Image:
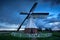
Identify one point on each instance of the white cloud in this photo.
(10, 26)
(43, 28)
(7, 25)
(48, 25)
(54, 23)
(10, 29)
(55, 28)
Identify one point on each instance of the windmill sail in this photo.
(27, 15)
(36, 15)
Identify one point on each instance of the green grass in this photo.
(56, 36)
(8, 37)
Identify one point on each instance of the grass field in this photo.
(55, 36)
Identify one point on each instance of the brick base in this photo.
(30, 30)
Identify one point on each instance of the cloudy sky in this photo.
(10, 12)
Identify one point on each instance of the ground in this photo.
(55, 36)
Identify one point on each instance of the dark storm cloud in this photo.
(53, 2)
(56, 1)
(33, 0)
(10, 10)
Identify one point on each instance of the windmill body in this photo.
(31, 27)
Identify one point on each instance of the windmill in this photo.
(31, 27)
